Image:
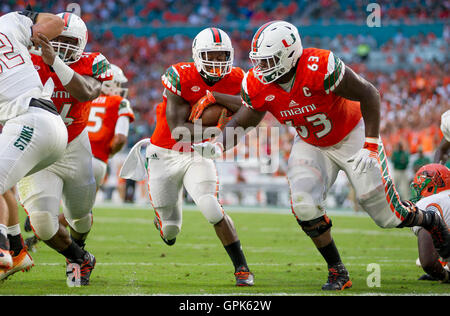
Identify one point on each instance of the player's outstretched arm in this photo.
(356, 88)
(241, 123)
(232, 102)
(82, 88)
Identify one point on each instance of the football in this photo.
(211, 115)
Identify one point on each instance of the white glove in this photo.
(209, 150)
(366, 157)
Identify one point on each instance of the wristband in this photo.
(64, 72)
(371, 144)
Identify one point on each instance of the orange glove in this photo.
(223, 119)
(201, 105)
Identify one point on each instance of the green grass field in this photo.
(132, 259)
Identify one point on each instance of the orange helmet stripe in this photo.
(258, 33)
(216, 35)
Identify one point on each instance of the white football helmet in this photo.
(212, 40)
(114, 86)
(75, 28)
(276, 48)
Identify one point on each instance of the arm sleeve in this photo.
(101, 68)
(122, 125)
(126, 110)
(171, 80)
(335, 73)
(247, 89)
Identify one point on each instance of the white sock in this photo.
(14, 230)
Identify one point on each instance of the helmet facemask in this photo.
(67, 48)
(116, 86)
(215, 64)
(268, 69)
(111, 87)
(70, 44)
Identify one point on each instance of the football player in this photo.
(78, 76)
(337, 115)
(33, 134)
(431, 191)
(109, 120)
(441, 154)
(189, 88)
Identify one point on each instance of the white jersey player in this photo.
(431, 187)
(33, 135)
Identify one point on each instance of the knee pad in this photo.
(81, 225)
(44, 224)
(304, 207)
(210, 208)
(316, 227)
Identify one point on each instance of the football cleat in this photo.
(6, 261)
(22, 262)
(168, 242)
(78, 273)
(338, 279)
(427, 277)
(31, 243)
(244, 277)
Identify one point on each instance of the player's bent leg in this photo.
(168, 221)
(26, 148)
(201, 183)
(6, 261)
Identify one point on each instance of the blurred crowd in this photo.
(198, 12)
(411, 73)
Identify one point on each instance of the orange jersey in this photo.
(321, 117)
(74, 113)
(184, 80)
(105, 111)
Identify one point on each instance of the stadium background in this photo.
(406, 59)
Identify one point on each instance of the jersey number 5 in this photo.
(96, 119)
(7, 56)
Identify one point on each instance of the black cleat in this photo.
(244, 277)
(31, 243)
(79, 272)
(338, 279)
(168, 242)
(427, 277)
